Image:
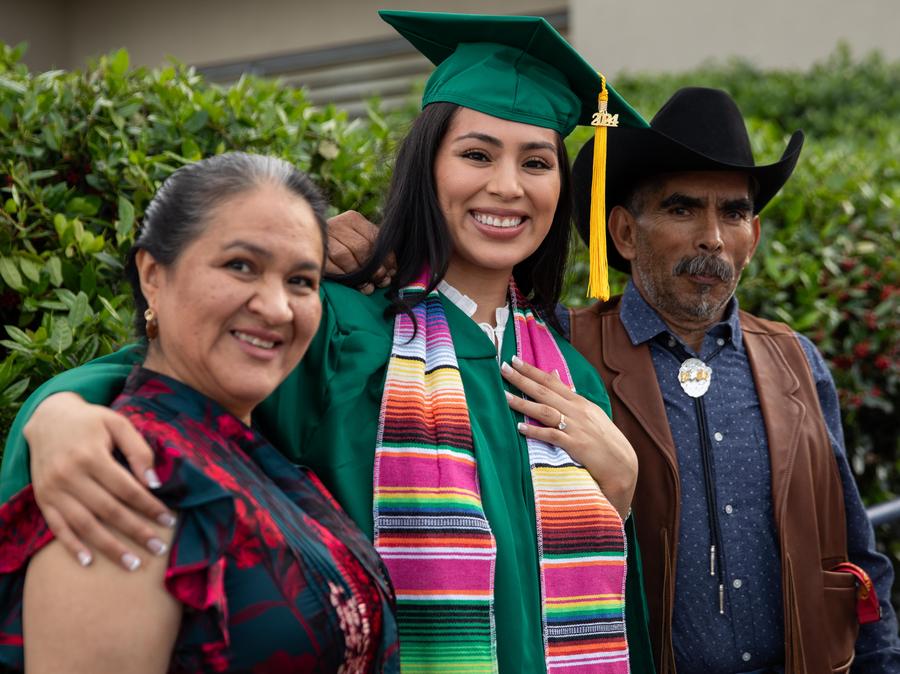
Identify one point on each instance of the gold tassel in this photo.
(598, 281)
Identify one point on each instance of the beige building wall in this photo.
(637, 35)
(206, 32)
(41, 23)
(673, 35)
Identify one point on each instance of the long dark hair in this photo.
(414, 229)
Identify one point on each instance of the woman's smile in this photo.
(258, 343)
(499, 223)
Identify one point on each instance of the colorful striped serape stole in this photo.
(430, 527)
(581, 537)
(431, 530)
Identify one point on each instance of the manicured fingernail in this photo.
(516, 360)
(84, 558)
(521, 426)
(152, 479)
(166, 519)
(130, 562)
(157, 547)
(505, 367)
(509, 396)
(556, 372)
(383, 283)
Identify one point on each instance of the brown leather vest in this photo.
(819, 605)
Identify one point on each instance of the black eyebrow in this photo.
(305, 265)
(251, 247)
(678, 199)
(538, 146)
(742, 204)
(496, 142)
(483, 137)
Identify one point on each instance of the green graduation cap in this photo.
(519, 68)
(513, 67)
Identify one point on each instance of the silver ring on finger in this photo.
(562, 422)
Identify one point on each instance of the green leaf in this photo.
(190, 150)
(196, 122)
(34, 176)
(54, 268)
(53, 306)
(15, 346)
(109, 307)
(109, 260)
(125, 223)
(10, 274)
(31, 269)
(118, 63)
(80, 310)
(129, 109)
(88, 280)
(14, 392)
(7, 371)
(67, 297)
(86, 242)
(77, 229)
(83, 206)
(60, 224)
(10, 85)
(96, 245)
(19, 335)
(60, 335)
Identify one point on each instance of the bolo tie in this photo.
(695, 376)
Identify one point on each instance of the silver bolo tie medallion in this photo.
(694, 376)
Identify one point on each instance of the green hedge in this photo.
(82, 152)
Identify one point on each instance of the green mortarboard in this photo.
(519, 68)
(513, 67)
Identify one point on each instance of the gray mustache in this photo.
(704, 265)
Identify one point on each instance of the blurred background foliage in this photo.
(81, 153)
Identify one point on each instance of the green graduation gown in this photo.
(325, 415)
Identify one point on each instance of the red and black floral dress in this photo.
(272, 574)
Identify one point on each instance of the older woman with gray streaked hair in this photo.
(254, 567)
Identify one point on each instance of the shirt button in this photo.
(718, 437)
(729, 508)
(737, 583)
(671, 341)
(720, 341)
(745, 657)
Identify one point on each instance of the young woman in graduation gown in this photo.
(451, 422)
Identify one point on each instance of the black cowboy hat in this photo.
(698, 129)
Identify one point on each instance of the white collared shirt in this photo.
(469, 306)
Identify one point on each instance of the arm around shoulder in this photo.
(77, 482)
(98, 382)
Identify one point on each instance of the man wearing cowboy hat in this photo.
(753, 536)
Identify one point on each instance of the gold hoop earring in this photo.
(152, 326)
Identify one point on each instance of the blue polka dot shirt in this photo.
(749, 636)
